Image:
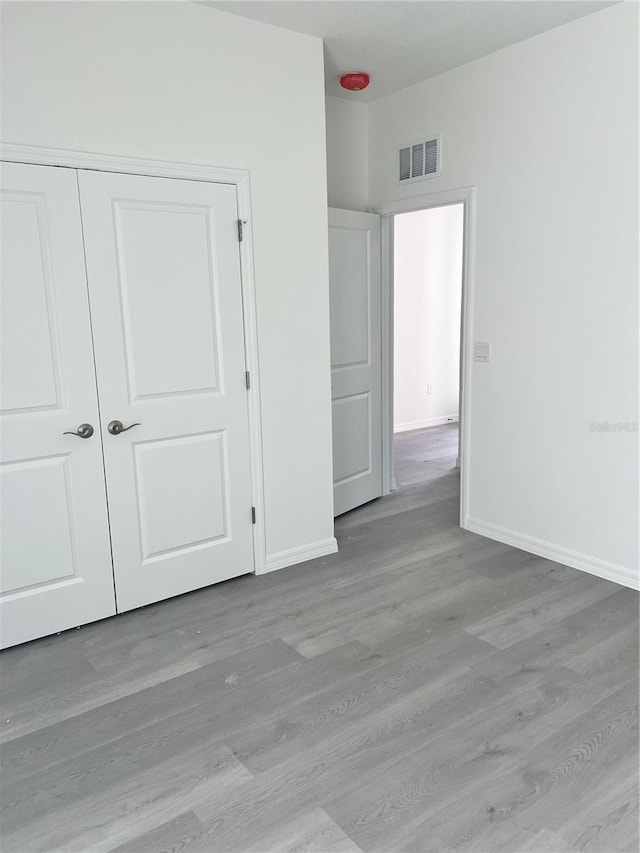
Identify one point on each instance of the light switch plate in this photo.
(482, 351)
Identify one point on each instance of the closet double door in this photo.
(124, 444)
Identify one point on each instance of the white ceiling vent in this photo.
(419, 160)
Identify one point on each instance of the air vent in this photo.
(419, 160)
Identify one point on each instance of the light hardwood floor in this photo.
(423, 690)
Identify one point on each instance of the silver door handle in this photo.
(115, 427)
(83, 431)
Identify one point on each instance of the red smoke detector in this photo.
(355, 81)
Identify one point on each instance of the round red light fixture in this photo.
(355, 81)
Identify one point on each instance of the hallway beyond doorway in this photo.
(427, 456)
(425, 475)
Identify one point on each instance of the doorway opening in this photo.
(426, 295)
(361, 279)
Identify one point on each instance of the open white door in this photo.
(55, 558)
(356, 378)
(166, 303)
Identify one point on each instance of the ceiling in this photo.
(401, 42)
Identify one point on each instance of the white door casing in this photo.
(467, 197)
(356, 380)
(166, 302)
(55, 564)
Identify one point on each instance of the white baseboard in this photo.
(445, 419)
(574, 559)
(300, 555)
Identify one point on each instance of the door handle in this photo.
(83, 431)
(115, 427)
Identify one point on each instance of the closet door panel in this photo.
(165, 288)
(55, 558)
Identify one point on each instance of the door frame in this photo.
(240, 178)
(467, 197)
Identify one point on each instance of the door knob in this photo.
(115, 427)
(83, 431)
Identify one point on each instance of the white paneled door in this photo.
(356, 379)
(55, 563)
(163, 267)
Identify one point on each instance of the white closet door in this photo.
(55, 560)
(356, 377)
(164, 283)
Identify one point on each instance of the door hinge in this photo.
(253, 515)
(247, 379)
(241, 224)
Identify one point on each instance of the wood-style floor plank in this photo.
(425, 689)
(171, 836)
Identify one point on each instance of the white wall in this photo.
(547, 131)
(427, 289)
(347, 153)
(178, 81)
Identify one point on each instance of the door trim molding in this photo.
(240, 178)
(40, 156)
(467, 197)
(387, 342)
